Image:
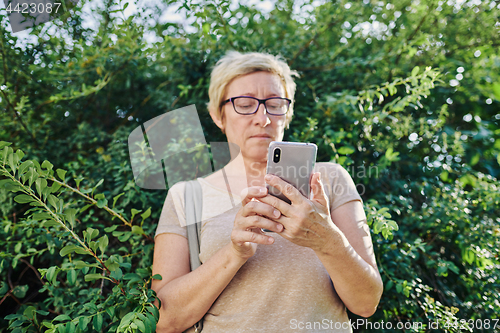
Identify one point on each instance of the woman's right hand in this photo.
(250, 219)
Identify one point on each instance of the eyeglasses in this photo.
(276, 106)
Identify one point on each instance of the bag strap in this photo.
(193, 202)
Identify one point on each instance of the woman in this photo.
(316, 260)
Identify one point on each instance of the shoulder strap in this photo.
(193, 203)
(193, 199)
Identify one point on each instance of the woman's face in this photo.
(253, 133)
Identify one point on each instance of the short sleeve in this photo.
(340, 187)
(173, 218)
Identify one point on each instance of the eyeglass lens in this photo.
(249, 105)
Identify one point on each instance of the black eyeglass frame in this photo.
(261, 101)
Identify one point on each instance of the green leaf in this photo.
(97, 322)
(111, 229)
(51, 274)
(30, 312)
(68, 249)
(32, 175)
(40, 185)
(55, 187)
(140, 325)
(157, 277)
(116, 198)
(61, 173)
(137, 230)
(11, 163)
(146, 214)
(41, 216)
(475, 159)
(4, 144)
(97, 185)
(20, 291)
(20, 154)
(71, 276)
(81, 250)
(102, 203)
(91, 233)
(134, 213)
(4, 288)
(346, 150)
(415, 71)
(79, 264)
(51, 223)
(116, 274)
(496, 90)
(23, 198)
(4, 154)
(103, 243)
(469, 256)
(127, 319)
(444, 176)
(391, 155)
(78, 181)
(70, 214)
(62, 317)
(53, 201)
(83, 323)
(23, 167)
(111, 264)
(93, 277)
(47, 165)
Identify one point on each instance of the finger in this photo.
(258, 222)
(257, 236)
(260, 208)
(252, 192)
(286, 188)
(318, 190)
(278, 204)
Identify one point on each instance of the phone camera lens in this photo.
(277, 155)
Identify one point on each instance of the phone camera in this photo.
(276, 155)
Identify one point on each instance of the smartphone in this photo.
(293, 162)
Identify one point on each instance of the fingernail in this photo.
(276, 213)
(280, 227)
(267, 177)
(262, 191)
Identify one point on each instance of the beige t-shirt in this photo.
(283, 287)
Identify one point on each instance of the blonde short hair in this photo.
(235, 64)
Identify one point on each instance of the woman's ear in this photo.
(218, 120)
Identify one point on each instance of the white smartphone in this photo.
(294, 163)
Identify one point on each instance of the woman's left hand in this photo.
(306, 222)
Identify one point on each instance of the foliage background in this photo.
(405, 95)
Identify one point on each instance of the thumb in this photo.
(318, 190)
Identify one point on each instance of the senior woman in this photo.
(315, 258)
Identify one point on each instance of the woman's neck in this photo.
(253, 171)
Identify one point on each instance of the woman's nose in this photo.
(262, 117)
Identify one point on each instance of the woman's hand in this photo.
(306, 222)
(249, 220)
